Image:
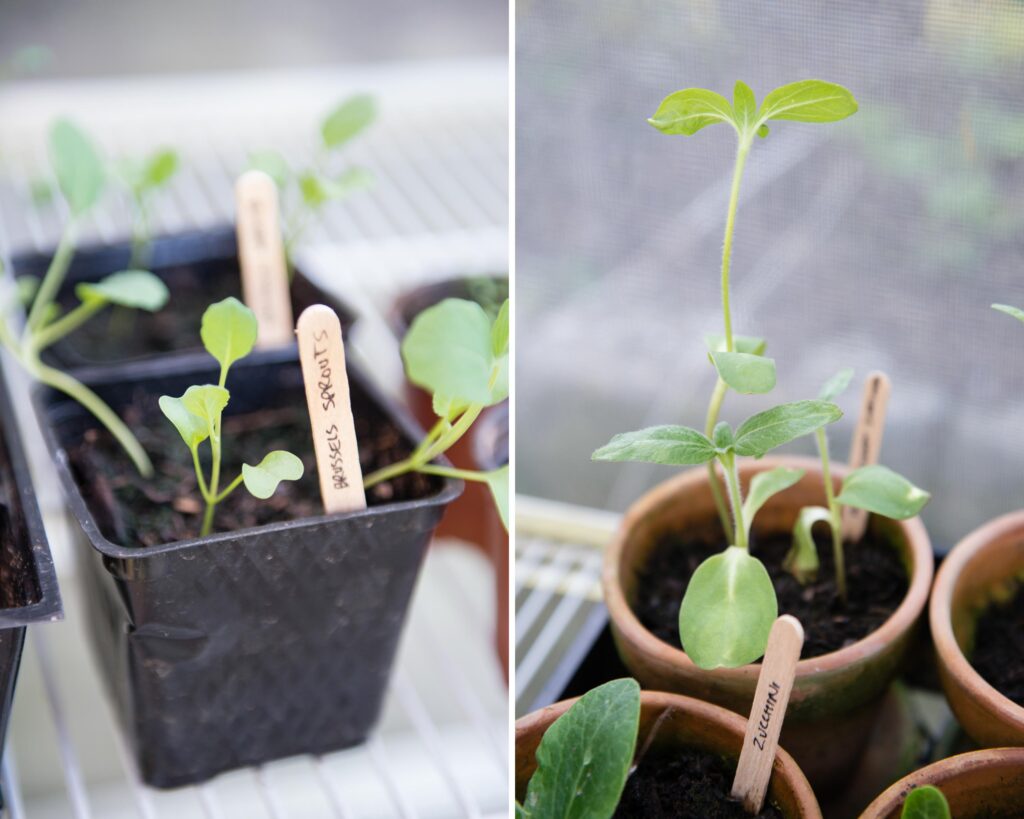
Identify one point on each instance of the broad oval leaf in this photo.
(1010, 311)
(228, 331)
(765, 484)
(207, 402)
(584, 757)
(78, 168)
(448, 350)
(347, 120)
(721, 436)
(727, 611)
(497, 481)
(744, 105)
(160, 167)
(746, 373)
(752, 345)
(925, 802)
(262, 480)
(809, 101)
(878, 489)
(499, 331)
(192, 429)
(801, 560)
(836, 385)
(774, 427)
(687, 111)
(128, 288)
(671, 445)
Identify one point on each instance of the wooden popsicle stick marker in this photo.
(774, 685)
(866, 444)
(265, 287)
(322, 354)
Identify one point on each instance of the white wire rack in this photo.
(439, 207)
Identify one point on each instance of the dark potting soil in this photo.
(876, 582)
(998, 653)
(132, 510)
(689, 784)
(18, 583)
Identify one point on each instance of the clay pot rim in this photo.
(722, 717)
(938, 773)
(901, 620)
(940, 616)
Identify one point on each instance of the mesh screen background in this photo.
(877, 243)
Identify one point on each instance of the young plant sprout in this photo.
(229, 334)
(460, 356)
(143, 179)
(305, 191)
(80, 178)
(925, 802)
(873, 488)
(740, 360)
(585, 756)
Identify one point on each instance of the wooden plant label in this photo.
(322, 353)
(774, 686)
(866, 445)
(261, 255)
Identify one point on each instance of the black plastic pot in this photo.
(248, 646)
(28, 583)
(202, 265)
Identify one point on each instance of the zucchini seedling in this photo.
(305, 191)
(460, 356)
(80, 178)
(228, 332)
(874, 488)
(925, 802)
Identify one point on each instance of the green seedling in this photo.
(874, 488)
(81, 179)
(229, 333)
(584, 758)
(460, 356)
(925, 802)
(740, 360)
(305, 191)
(143, 178)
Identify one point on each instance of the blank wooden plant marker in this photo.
(866, 444)
(261, 254)
(322, 354)
(769, 710)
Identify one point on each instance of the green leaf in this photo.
(721, 436)
(779, 425)
(347, 120)
(262, 480)
(727, 611)
(745, 373)
(316, 190)
(801, 560)
(1010, 311)
(584, 757)
(879, 490)
(925, 802)
(499, 331)
(273, 164)
(521, 812)
(672, 445)
(744, 105)
(497, 480)
(764, 485)
(448, 351)
(77, 166)
(809, 101)
(26, 287)
(192, 429)
(128, 288)
(159, 168)
(448, 408)
(206, 402)
(742, 344)
(762, 130)
(836, 385)
(687, 111)
(228, 331)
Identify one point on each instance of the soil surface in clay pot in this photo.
(686, 784)
(999, 647)
(876, 581)
(132, 510)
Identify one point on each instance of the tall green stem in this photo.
(66, 324)
(732, 477)
(212, 499)
(717, 491)
(54, 278)
(730, 224)
(834, 513)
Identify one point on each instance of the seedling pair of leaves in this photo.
(228, 332)
(305, 191)
(81, 178)
(458, 354)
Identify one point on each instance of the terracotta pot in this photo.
(836, 696)
(691, 724)
(981, 783)
(985, 565)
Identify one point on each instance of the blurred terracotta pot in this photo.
(837, 696)
(985, 565)
(981, 783)
(689, 723)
